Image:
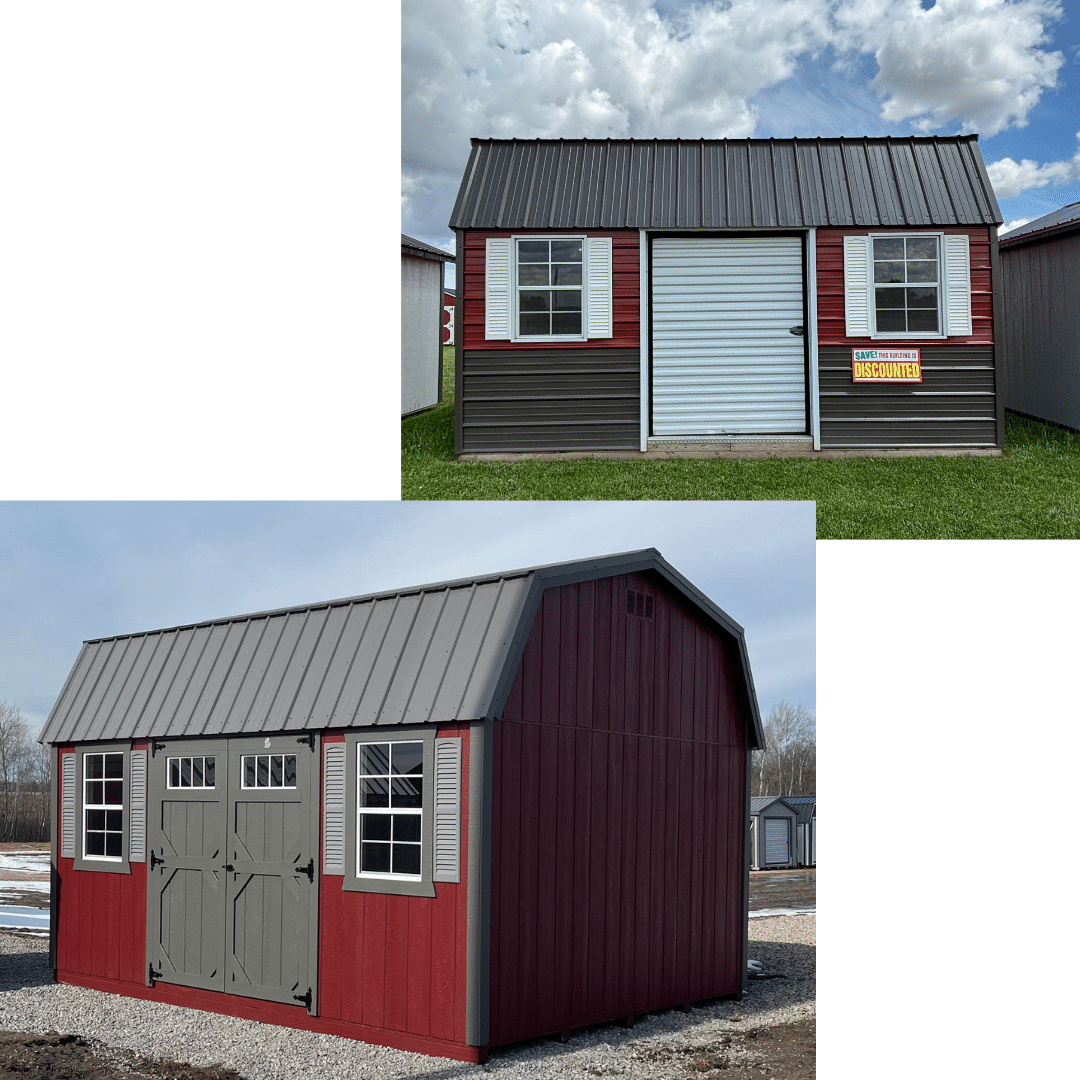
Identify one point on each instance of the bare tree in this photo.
(788, 764)
(24, 779)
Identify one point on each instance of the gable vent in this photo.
(639, 604)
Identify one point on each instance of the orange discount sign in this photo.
(886, 365)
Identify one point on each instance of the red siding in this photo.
(830, 283)
(617, 817)
(626, 289)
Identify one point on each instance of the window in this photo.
(547, 288)
(191, 772)
(268, 771)
(391, 802)
(98, 805)
(913, 285)
(549, 283)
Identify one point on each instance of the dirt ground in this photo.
(785, 1052)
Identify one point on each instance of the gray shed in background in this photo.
(1040, 266)
(805, 827)
(772, 833)
(421, 324)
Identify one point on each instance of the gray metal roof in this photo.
(1065, 220)
(803, 805)
(760, 802)
(724, 183)
(427, 654)
(409, 246)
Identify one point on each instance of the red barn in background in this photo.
(449, 302)
(441, 819)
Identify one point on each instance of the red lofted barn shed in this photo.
(442, 819)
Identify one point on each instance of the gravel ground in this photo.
(725, 1035)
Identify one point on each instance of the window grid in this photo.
(550, 287)
(191, 772)
(907, 284)
(268, 771)
(103, 806)
(389, 809)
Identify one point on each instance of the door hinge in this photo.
(305, 998)
(309, 738)
(309, 870)
(153, 975)
(155, 746)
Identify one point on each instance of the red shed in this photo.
(442, 819)
(710, 296)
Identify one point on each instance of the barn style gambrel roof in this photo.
(724, 183)
(428, 654)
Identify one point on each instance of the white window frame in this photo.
(906, 335)
(245, 786)
(116, 864)
(181, 758)
(515, 289)
(389, 811)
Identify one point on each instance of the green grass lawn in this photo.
(1033, 490)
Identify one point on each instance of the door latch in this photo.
(154, 859)
(309, 870)
(228, 866)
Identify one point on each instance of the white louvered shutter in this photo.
(598, 260)
(137, 813)
(957, 287)
(856, 286)
(334, 808)
(497, 290)
(447, 810)
(67, 806)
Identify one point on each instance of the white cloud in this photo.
(1014, 225)
(1012, 177)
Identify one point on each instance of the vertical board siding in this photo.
(397, 963)
(617, 840)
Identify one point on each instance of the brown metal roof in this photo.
(428, 654)
(724, 183)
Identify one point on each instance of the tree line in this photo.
(788, 764)
(24, 780)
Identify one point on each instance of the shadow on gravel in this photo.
(19, 970)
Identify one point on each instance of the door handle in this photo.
(798, 331)
(228, 866)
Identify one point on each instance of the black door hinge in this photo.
(153, 974)
(309, 870)
(305, 998)
(155, 746)
(309, 738)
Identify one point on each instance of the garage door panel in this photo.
(724, 360)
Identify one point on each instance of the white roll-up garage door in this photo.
(724, 359)
(776, 841)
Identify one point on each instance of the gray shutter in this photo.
(137, 812)
(497, 316)
(598, 260)
(334, 808)
(67, 805)
(447, 810)
(957, 260)
(857, 286)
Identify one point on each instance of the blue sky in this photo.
(73, 571)
(1006, 69)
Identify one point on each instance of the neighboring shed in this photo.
(805, 806)
(422, 319)
(666, 296)
(772, 833)
(1040, 268)
(449, 304)
(445, 818)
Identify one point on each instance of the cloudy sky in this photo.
(73, 571)
(1006, 69)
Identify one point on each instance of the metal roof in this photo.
(803, 805)
(760, 802)
(409, 246)
(427, 654)
(724, 183)
(1065, 220)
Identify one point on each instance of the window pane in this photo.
(923, 320)
(95, 792)
(275, 770)
(114, 820)
(262, 778)
(113, 845)
(535, 301)
(567, 300)
(406, 793)
(533, 274)
(891, 321)
(197, 772)
(95, 843)
(114, 765)
(95, 819)
(922, 247)
(565, 275)
(290, 770)
(922, 271)
(566, 251)
(532, 251)
(249, 772)
(407, 759)
(94, 766)
(174, 772)
(535, 324)
(376, 826)
(407, 827)
(209, 771)
(114, 792)
(185, 772)
(406, 858)
(921, 298)
(374, 792)
(375, 858)
(889, 247)
(566, 324)
(374, 759)
(889, 271)
(889, 298)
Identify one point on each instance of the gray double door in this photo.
(231, 870)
